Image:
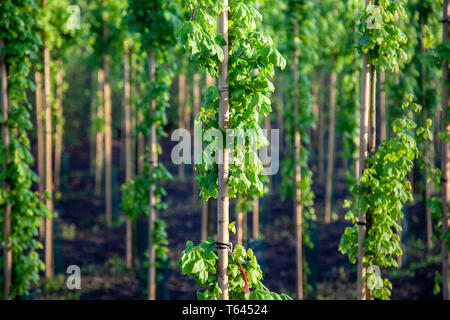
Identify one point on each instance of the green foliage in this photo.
(18, 26)
(154, 23)
(381, 193)
(379, 36)
(301, 13)
(200, 263)
(252, 60)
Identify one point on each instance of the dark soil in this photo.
(99, 250)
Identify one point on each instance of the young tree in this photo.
(380, 42)
(154, 22)
(20, 208)
(445, 157)
(231, 51)
(297, 176)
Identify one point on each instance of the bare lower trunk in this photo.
(127, 144)
(445, 160)
(59, 128)
(108, 144)
(321, 135)
(426, 156)
(196, 110)
(330, 162)
(298, 214)
(41, 145)
(372, 112)
(205, 220)
(222, 199)
(383, 117)
(99, 135)
(152, 196)
(255, 218)
(108, 124)
(7, 254)
(48, 166)
(92, 129)
(363, 142)
(181, 112)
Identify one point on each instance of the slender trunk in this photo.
(108, 144)
(222, 199)
(181, 112)
(372, 112)
(205, 220)
(108, 124)
(196, 110)
(93, 129)
(140, 146)
(7, 254)
(298, 174)
(100, 134)
(357, 76)
(255, 218)
(280, 109)
(363, 142)
(59, 128)
(41, 145)
(383, 118)
(268, 125)
(320, 143)
(48, 166)
(426, 156)
(128, 158)
(315, 110)
(445, 161)
(152, 195)
(330, 162)
(140, 141)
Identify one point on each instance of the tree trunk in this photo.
(128, 158)
(222, 199)
(108, 144)
(445, 160)
(298, 173)
(363, 143)
(255, 218)
(321, 128)
(372, 112)
(152, 196)
(48, 166)
(196, 110)
(93, 129)
(204, 220)
(100, 134)
(7, 254)
(280, 109)
(426, 156)
(330, 160)
(59, 128)
(108, 124)
(181, 112)
(41, 145)
(383, 116)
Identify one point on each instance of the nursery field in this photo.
(224, 150)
